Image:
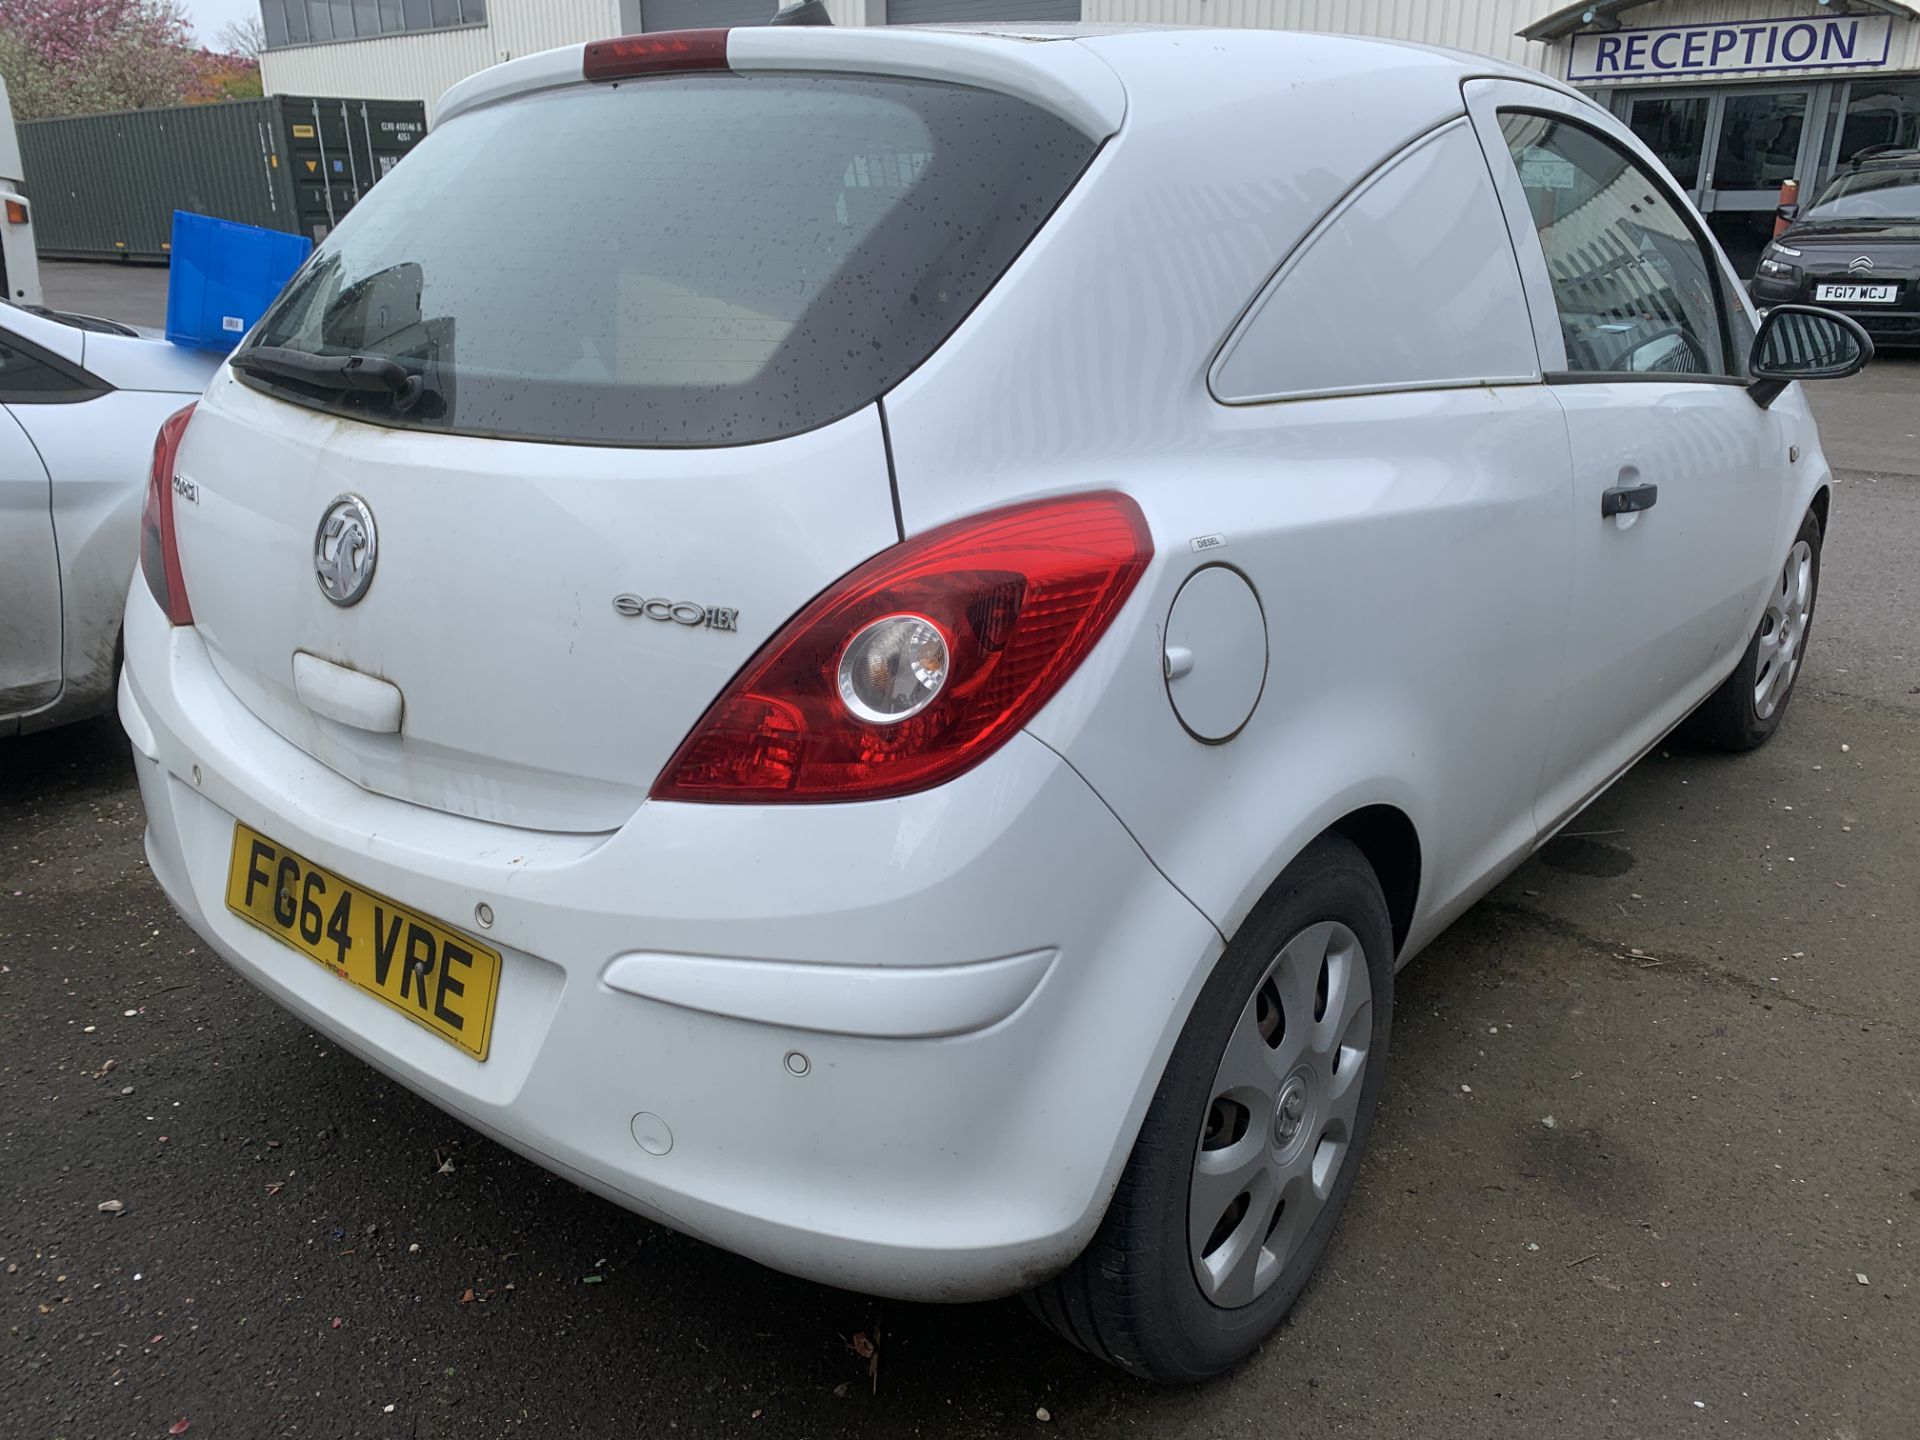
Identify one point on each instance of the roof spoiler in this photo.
(1068, 79)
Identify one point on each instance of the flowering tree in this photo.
(218, 76)
(78, 57)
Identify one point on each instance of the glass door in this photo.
(1758, 141)
(1673, 124)
(1730, 148)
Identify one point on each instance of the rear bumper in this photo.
(984, 980)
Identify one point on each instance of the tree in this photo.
(246, 37)
(222, 77)
(79, 57)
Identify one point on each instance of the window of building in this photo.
(1633, 284)
(973, 12)
(1760, 134)
(699, 14)
(305, 22)
(1675, 130)
(1881, 112)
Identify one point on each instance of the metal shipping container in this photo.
(107, 185)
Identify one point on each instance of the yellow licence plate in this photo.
(434, 976)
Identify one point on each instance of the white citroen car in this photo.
(875, 643)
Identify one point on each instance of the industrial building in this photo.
(1735, 95)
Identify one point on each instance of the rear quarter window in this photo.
(688, 260)
(1410, 283)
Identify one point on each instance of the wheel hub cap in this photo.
(1285, 1099)
(1783, 631)
(1290, 1114)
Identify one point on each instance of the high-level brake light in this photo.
(659, 53)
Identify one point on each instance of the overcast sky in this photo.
(209, 15)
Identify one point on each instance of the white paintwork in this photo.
(29, 579)
(885, 1002)
(1660, 599)
(896, 1166)
(1065, 79)
(351, 697)
(144, 361)
(1428, 562)
(17, 249)
(528, 75)
(72, 478)
(1659, 605)
(1484, 27)
(69, 342)
(1452, 281)
(1216, 653)
(492, 645)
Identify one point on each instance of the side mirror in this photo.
(1787, 213)
(1804, 342)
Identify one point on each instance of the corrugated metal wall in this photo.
(109, 184)
(423, 66)
(1488, 26)
(967, 12)
(106, 185)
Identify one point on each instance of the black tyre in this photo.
(1250, 1145)
(1745, 711)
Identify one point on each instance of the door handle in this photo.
(1628, 499)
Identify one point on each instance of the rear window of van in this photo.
(680, 261)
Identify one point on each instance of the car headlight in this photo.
(1778, 269)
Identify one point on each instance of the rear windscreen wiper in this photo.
(371, 374)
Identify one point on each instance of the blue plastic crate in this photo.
(223, 276)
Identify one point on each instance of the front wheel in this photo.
(1745, 711)
(1253, 1138)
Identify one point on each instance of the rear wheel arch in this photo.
(1385, 835)
(1375, 814)
(1134, 1297)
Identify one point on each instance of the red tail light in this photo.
(1017, 598)
(159, 555)
(654, 54)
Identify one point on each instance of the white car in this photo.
(80, 400)
(883, 668)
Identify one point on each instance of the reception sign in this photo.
(1731, 47)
